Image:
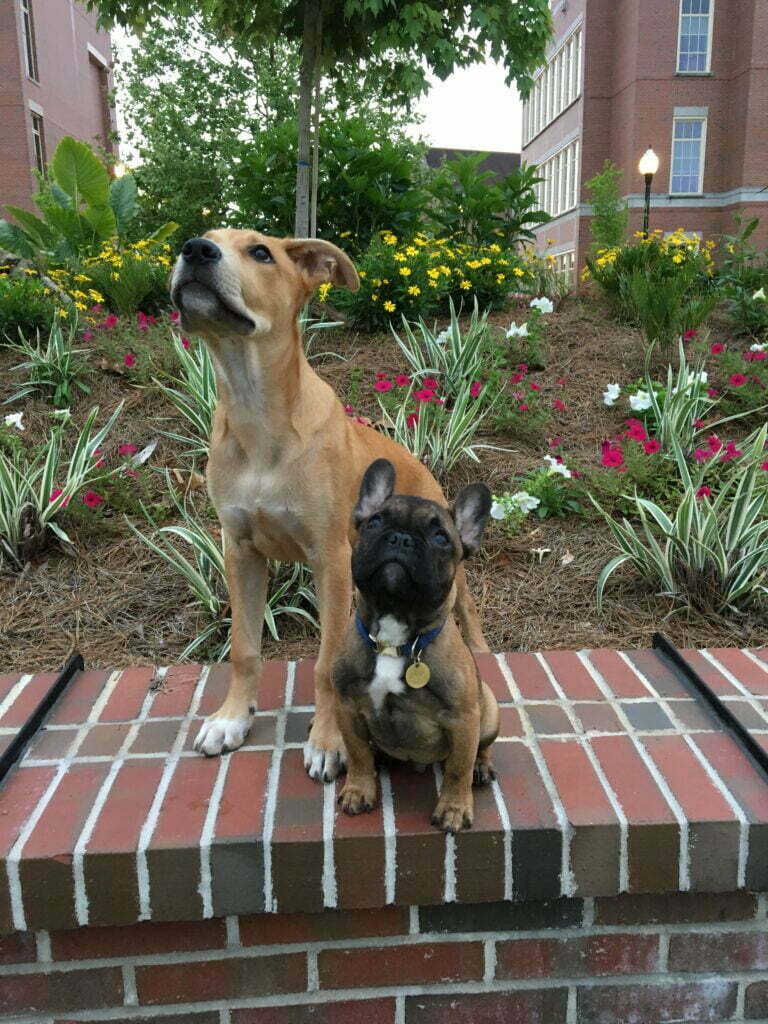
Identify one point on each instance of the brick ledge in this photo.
(613, 778)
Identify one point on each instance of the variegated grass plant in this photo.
(290, 587)
(712, 554)
(52, 367)
(35, 490)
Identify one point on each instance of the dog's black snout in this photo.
(200, 250)
(400, 539)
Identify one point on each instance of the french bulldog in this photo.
(406, 683)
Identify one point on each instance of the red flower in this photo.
(380, 375)
(717, 349)
(636, 431)
(748, 357)
(55, 494)
(713, 393)
(110, 321)
(383, 385)
(475, 388)
(731, 452)
(402, 380)
(702, 454)
(431, 383)
(127, 449)
(764, 465)
(612, 457)
(689, 335)
(88, 335)
(412, 419)
(561, 382)
(100, 463)
(174, 316)
(92, 499)
(651, 446)
(522, 367)
(555, 442)
(425, 395)
(534, 386)
(737, 380)
(130, 472)
(185, 343)
(559, 405)
(522, 408)
(758, 357)
(348, 409)
(704, 492)
(698, 424)
(129, 360)
(516, 378)
(714, 443)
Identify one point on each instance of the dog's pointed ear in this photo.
(322, 262)
(376, 487)
(470, 513)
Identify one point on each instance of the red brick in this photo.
(20, 796)
(271, 691)
(375, 1011)
(138, 940)
(657, 674)
(237, 978)
(175, 695)
(491, 674)
(620, 678)
(76, 703)
(211, 1017)
(103, 739)
(215, 690)
(595, 844)
(749, 674)
(597, 717)
(18, 948)
(585, 956)
(158, 737)
(27, 700)
(720, 951)
(420, 847)
(7, 683)
(129, 695)
(756, 1001)
(304, 682)
(529, 675)
(412, 964)
(278, 929)
(676, 908)
(548, 719)
(657, 1004)
(358, 851)
(297, 838)
(51, 743)
(482, 844)
(509, 722)
(533, 1006)
(572, 677)
(714, 679)
(57, 992)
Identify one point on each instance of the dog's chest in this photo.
(388, 669)
(260, 508)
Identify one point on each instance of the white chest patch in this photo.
(388, 671)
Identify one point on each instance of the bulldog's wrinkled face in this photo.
(245, 283)
(409, 548)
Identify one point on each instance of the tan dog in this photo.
(406, 682)
(285, 461)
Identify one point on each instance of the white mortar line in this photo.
(489, 961)
(413, 920)
(663, 954)
(330, 886)
(758, 661)
(399, 1009)
(449, 863)
(313, 974)
(225, 1017)
(390, 836)
(18, 687)
(150, 823)
(571, 1011)
(501, 807)
(588, 912)
(762, 906)
(130, 995)
(684, 865)
(233, 931)
(567, 881)
(206, 836)
(43, 947)
(741, 991)
(273, 781)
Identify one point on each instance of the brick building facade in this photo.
(54, 81)
(687, 77)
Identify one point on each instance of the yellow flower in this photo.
(361, 273)
(389, 239)
(96, 296)
(465, 285)
(377, 282)
(322, 291)
(420, 241)
(405, 271)
(400, 257)
(494, 248)
(432, 284)
(81, 277)
(474, 264)
(499, 278)
(29, 272)
(389, 306)
(433, 272)
(344, 234)
(414, 290)
(63, 313)
(518, 272)
(374, 297)
(411, 251)
(80, 305)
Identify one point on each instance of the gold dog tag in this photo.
(417, 675)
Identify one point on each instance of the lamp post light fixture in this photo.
(649, 164)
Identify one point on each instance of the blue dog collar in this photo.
(412, 650)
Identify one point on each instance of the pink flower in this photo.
(130, 472)
(185, 343)
(55, 494)
(704, 492)
(380, 375)
(559, 405)
(430, 383)
(100, 463)
(651, 446)
(412, 419)
(402, 380)
(383, 385)
(561, 382)
(534, 386)
(759, 357)
(348, 409)
(127, 449)
(713, 393)
(522, 367)
(174, 316)
(717, 349)
(475, 388)
(522, 408)
(129, 360)
(748, 357)
(714, 442)
(555, 442)
(764, 466)
(702, 454)
(110, 321)
(636, 431)
(737, 380)
(425, 395)
(92, 499)
(689, 335)
(96, 309)
(731, 452)
(612, 457)
(88, 335)
(516, 378)
(698, 424)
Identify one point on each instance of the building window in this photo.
(565, 265)
(559, 191)
(30, 49)
(695, 41)
(556, 86)
(689, 138)
(38, 141)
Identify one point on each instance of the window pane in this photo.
(694, 35)
(686, 156)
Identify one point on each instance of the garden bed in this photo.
(111, 598)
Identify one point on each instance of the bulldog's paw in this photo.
(324, 755)
(222, 732)
(358, 796)
(484, 772)
(453, 815)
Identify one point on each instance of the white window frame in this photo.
(557, 85)
(29, 40)
(708, 69)
(704, 118)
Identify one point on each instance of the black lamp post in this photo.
(649, 164)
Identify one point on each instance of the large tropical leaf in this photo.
(80, 173)
(102, 221)
(122, 199)
(14, 240)
(37, 229)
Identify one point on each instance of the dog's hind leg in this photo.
(247, 578)
(466, 611)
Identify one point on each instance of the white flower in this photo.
(757, 347)
(498, 511)
(15, 419)
(544, 305)
(759, 294)
(514, 331)
(700, 378)
(61, 412)
(442, 337)
(525, 501)
(557, 467)
(640, 402)
(611, 393)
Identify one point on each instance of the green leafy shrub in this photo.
(192, 392)
(552, 490)
(26, 305)
(610, 214)
(743, 278)
(52, 369)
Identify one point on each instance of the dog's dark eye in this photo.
(373, 522)
(441, 538)
(261, 254)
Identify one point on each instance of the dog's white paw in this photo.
(323, 765)
(218, 735)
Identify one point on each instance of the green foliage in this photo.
(667, 307)
(193, 394)
(52, 368)
(25, 306)
(610, 214)
(743, 278)
(469, 205)
(132, 277)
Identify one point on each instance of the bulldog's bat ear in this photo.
(376, 487)
(470, 513)
(322, 262)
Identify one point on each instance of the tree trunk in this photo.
(309, 58)
(315, 153)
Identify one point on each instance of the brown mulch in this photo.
(113, 600)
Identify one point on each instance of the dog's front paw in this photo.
(453, 815)
(324, 755)
(358, 796)
(484, 772)
(221, 733)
